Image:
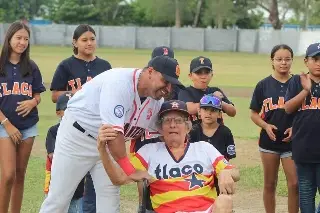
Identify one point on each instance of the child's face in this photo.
(201, 78)
(282, 61)
(313, 64)
(60, 113)
(209, 115)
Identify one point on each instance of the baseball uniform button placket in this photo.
(78, 127)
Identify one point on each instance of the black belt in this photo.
(78, 127)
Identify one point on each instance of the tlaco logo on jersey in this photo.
(119, 111)
(165, 173)
(149, 114)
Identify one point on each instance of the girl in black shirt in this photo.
(267, 112)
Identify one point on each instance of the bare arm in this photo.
(295, 103)
(255, 117)
(55, 94)
(235, 174)
(193, 108)
(229, 109)
(116, 175)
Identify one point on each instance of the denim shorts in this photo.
(26, 133)
(282, 154)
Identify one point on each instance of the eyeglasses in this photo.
(177, 120)
(214, 100)
(287, 60)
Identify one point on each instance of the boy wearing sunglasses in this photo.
(210, 130)
(201, 74)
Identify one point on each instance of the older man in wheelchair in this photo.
(181, 173)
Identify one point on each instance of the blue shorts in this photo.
(26, 133)
(282, 154)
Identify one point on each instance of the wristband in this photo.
(126, 166)
(2, 122)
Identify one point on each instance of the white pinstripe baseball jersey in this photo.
(112, 98)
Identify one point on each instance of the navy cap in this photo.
(211, 101)
(162, 50)
(313, 50)
(173, 105)
(199, 63)
(168, 67)
(63, 101)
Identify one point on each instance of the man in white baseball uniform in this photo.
(129, 100)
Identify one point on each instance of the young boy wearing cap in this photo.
(302, 99)
(201, 75)
(211, 131)
(76, 202)
(166, 51)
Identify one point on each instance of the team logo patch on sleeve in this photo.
(231, 150)
(119, 111)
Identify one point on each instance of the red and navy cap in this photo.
(168, 67)
(173, 105)
(63, 101)
(200, 63)
(313, 50)
(162, 50)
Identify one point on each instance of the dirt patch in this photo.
(251, 202)
(247, 153)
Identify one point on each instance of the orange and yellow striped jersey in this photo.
(185, 185)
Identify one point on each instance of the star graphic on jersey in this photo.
(175, 105)
(193, 181)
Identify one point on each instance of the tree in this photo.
(271, 6)
(177, 14)
(74, 12)
(197, 13)
(11, 10)
(218, 12)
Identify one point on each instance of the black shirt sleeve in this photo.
(229, 141)
(37, 83)
(257, 98)
(108, 66)
(294, 88)
(60, 78)
(51, 139)
(185, 96)
(194, 134)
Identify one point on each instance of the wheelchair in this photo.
(146, 202)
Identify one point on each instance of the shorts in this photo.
(282, 154)
(26, 133)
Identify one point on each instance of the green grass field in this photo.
(235, 73)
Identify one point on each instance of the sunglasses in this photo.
(210, 99)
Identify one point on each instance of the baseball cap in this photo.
(173, 105)
(199, 63)
(211, 101)
(63, 101)
(313, 50)
(162, 50)
(168, 67)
